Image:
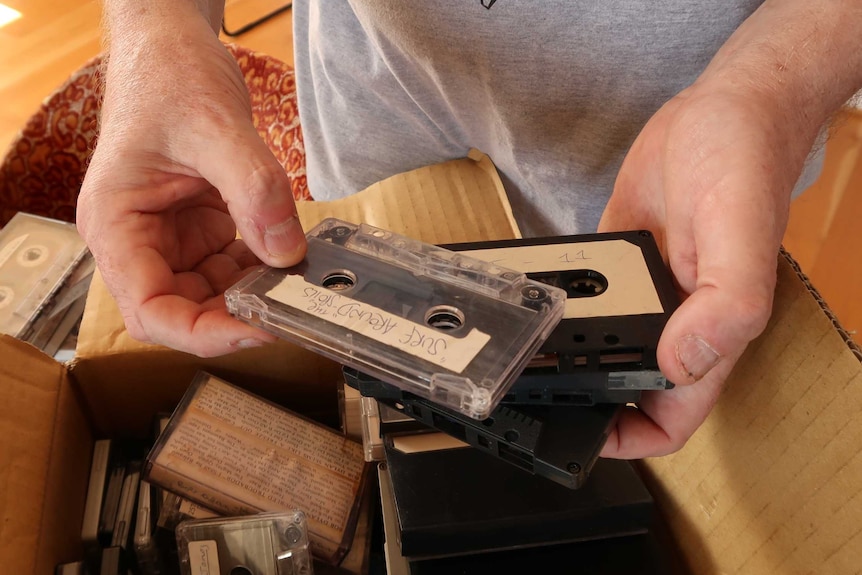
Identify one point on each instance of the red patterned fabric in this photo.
(45, 164)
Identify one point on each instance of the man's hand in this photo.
(178, 169)
(711, 175)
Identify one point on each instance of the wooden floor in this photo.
(54, 38)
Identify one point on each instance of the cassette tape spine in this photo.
(560, 443)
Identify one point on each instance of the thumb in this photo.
(730, 306)
(258, 195)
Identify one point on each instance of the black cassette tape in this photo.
(264, 544)
(571, 389)
(560, 443)
(36, 256)
(458, 501)
(439, 324)
(620, 295)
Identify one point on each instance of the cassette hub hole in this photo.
(339, 280)
(240, 570)
(444, 317)
(587, 283)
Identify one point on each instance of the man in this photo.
(695, 120)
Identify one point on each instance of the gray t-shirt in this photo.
(554, 91)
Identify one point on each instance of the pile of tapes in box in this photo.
(229, 484)
(45, 272)
(490, 376)
(487, 379)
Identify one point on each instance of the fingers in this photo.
(258, 195)
(184, 311)
(664, 421)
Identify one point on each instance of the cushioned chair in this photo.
(45, 164)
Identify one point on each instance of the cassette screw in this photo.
(574, 467)
(533, 296)
(292, 534)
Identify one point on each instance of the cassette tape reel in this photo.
(36, 256)
(264, 544)
(442, 325)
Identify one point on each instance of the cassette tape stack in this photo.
(490, 376)
(45, 272)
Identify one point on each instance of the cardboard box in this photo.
(770, 484)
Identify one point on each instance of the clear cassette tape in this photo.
(36, 256)
(264, 544)
(443, 325)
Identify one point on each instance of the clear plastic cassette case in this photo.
(36, 256)
(442, 325)
(265, 544)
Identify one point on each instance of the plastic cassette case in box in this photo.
(443, 325)
(619, 296)
(641, 554)
(238, 454)
(263, 544)
(36, 256)
(459, 501)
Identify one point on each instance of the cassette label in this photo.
(203, 557)
(614, 269)
(415, 339)
(445, 326)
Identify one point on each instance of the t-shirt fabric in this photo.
(554, 91)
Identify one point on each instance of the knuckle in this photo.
(753, 311)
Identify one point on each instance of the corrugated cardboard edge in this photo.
(772, 481)
(45, 445)
(848, 339)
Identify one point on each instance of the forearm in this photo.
(130, 20)
(800, 58)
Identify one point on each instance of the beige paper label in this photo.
(203, 558)
(427, 343)
(630, 289)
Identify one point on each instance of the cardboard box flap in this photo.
(456, 201)
(772, 481)
(43, 436)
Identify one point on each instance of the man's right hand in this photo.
(179, 168)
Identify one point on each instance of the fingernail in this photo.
(696, 356)
(283, 239)
(247, 343)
